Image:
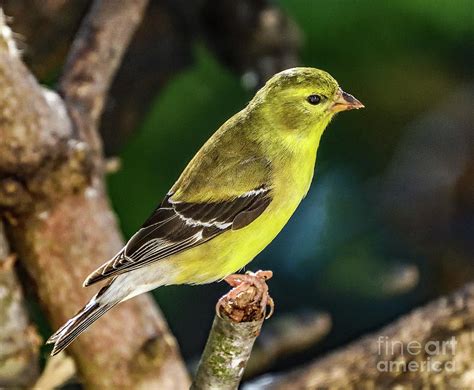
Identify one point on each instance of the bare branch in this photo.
(19, 342)
(406, 354)
(59, 247)
(236, 325)
(25, 108)
(58, 370)
(60, 220)
(94, 59)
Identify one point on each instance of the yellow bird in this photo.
(232, 199)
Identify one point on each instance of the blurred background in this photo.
(389, 221)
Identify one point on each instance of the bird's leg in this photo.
(249, 283)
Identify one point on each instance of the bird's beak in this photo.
(344, 102)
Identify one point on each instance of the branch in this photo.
(94, 59)
(60, 221)
(25, 108)
(58, 370)
(236, 325)
(58, 20)
(254, 38)
(19, 342)
(431, 347)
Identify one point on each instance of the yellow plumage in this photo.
(227, 253)
(237, 159)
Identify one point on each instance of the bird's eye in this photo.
(313, 99)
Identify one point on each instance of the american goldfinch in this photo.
(232, 199)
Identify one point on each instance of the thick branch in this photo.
(234, 330)
(60, 221)
(25, 108)
(431, 347)
(19, 341)
(60, 246)
(37, 159)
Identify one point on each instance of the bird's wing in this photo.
(176, 226)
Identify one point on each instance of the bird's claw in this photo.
(220, 304)
(271, 305)
(250, 283)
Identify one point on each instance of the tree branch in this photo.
(93, 61)
(25, 108)
(252, 37)
(58, 370)
(59, 218)
(19, 341)
(236, 325)
(391, 358)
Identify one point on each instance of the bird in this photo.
(233, 198)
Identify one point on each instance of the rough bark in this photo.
(236, 325)
(391, 357)
(59, 219)
(19, 340)
(129, 346)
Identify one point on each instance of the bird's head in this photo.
(304, 99)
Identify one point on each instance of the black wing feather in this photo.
(176, 226)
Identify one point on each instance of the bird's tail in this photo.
(96, 308)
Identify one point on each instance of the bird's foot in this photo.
(242, 282)
(248, 298)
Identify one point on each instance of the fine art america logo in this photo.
(415, 356)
